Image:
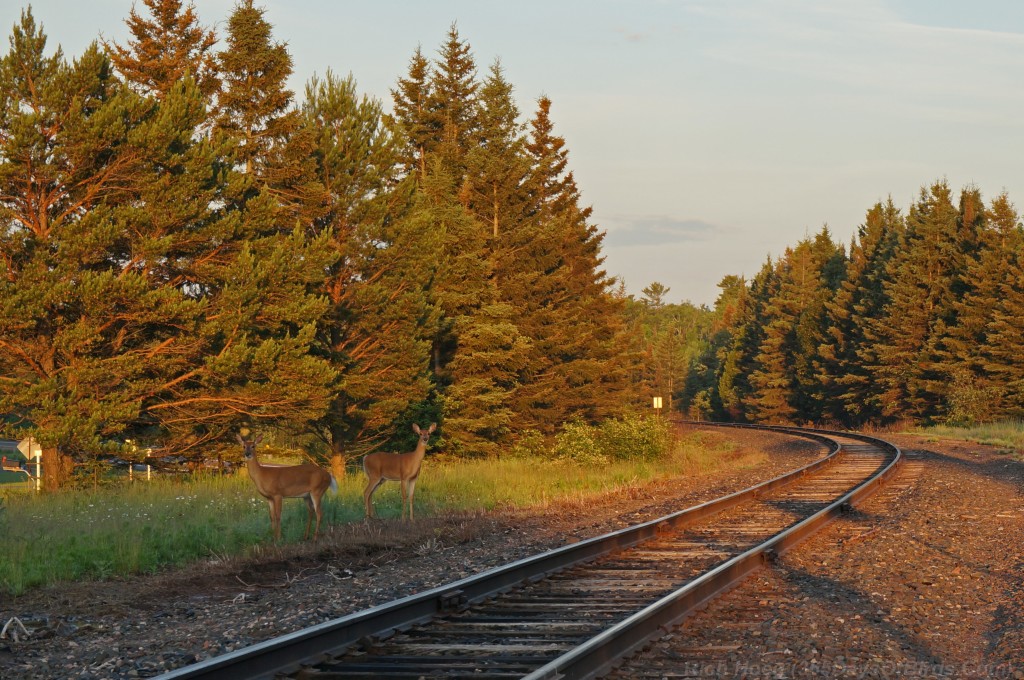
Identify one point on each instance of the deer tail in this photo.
(334, 486)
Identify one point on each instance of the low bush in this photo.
(631, 438)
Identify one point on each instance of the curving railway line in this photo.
(574, 612)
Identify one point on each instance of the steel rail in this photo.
(601, 653)
(287, 653)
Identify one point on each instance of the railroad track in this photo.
(576, 611)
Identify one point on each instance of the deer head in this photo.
(249, 447)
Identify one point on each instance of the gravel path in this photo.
(917, 583)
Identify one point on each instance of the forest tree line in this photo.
(186, 249)
(920, 321)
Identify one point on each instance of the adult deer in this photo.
(277, 482)
(396, 467)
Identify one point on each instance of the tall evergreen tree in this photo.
(987, 340)
(452, 102)
(700, 393)
(497, 168)
(922, 280)
(255, 109)
(412, 112)
(554, 278)
(846, 383)
(1002, 340)
(477, 349)
(738, 361)
(261, 281)
(95, 318)
(166, 48)
(376, 288)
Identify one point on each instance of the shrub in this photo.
(578, 443)
(531, 444)
(632, 437)
(635, 438)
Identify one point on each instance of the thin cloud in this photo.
(656, 230)
(632, 36)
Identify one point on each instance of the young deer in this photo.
(277, 482)
(399, 467)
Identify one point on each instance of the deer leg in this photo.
(412, 490)
(275, 527)
(318, 506)
(278, 511)
(310, 511)
(368, 494)
(405, 495)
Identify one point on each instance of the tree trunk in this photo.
(57, 469)
(338, 465)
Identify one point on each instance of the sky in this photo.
(707, 135)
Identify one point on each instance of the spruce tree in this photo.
(921, 280)
(772, 381)
(255, 109)
(452, 103)
(997, 296)
(1002, 343)
(497, 168)
(372, 331)
(412, 113)
(553, 275)
(166, 48)
(846, 384)
(989, 244)
(477, 350)
(737, 362)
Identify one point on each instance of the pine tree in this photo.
(376, 288)
(262, 277)
(255, 109)
(997, 280)
(846, 384)
(738, 361)
(411, 112)
(166, 49)
(922, 278)
(552, 275)
(88, 330)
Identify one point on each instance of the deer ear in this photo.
(416, 428)
(257, 440)
(240, 440)
(433, 426)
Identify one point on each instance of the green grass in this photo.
(144, 526)
(1007, 435)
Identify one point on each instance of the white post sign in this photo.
(30, 448)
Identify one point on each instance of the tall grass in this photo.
(144, 526)
(1007, 434)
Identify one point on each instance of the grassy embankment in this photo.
(1007, 435)
(131, 528)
